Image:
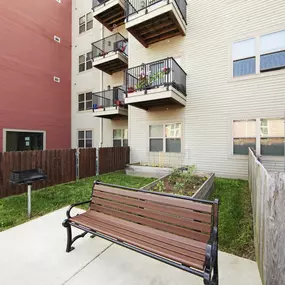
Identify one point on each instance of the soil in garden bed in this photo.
(181, 185)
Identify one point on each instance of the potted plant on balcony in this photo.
(131, 89)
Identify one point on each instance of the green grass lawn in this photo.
(235, 217)
(13, 210)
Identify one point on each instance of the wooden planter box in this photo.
(204, 192)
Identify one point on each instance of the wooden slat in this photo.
(181, 203)
(155, 215)
(155, 224)
(146, 245)
(166, 237)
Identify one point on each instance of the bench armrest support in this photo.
(74, 205)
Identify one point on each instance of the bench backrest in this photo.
(182, 217)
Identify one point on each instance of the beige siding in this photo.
(214, 99)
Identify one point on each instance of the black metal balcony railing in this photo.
(108, 98)
(134, 6)
(97, 3)
(166, 72)
(113, 43)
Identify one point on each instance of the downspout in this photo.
(101, 88)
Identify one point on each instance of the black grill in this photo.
(27, 176)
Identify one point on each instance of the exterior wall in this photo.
(214, 98)
(29, 60)
(91, 80)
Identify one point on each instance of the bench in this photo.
(177, 230)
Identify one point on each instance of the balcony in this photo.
(158, 83)
(110, 13)
(110, 54)
(151, 21)
(110, 104)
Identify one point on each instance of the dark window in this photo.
(21, 141)
(85, 138)
(117, 143)
(244, 67)
(156, 145)
(272, 61)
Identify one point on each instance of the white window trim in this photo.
(258, 74)
(84, 92)
(85, 62)
(84, 130)
(23, 131)
(258, 138)
(164, 136)
(85, 24)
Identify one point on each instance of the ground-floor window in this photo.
(165, 137)
(85, 138)
(24, 140)
(120, 137)
(266, 135)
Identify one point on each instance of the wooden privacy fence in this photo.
(113, 159)
(59, 165)
(268, 203)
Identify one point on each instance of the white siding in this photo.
(214, 99)
(91, 80)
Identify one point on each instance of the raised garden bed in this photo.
(186, 182)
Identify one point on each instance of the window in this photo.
(244, 136)
(85, 61)
(272, 51)
(269, 137)
(120, 138)
(272, 137)
(24, 140)
(165, 138)
(85, 101)
(85, 23)
(244, 58)
(85, 138)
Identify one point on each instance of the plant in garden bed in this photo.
(181, 182)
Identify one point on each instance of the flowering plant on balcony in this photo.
(146, 80)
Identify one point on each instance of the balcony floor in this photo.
(149, 29)
(111, 15)
(111, 63)
(112, 113)
(155, 98)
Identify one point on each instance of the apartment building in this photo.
(199, 81)
(35, 80)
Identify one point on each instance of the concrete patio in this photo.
(34, 254)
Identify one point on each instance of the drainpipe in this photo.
(101, 88)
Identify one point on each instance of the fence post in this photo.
(97, 161)
(77, 153)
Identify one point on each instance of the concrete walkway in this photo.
(34, 254)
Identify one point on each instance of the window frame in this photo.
(258, 54)
(86, 61)
(85, 101)
(85, 23)
(5, 130)
(122, 137)
(258, 136)
(164, 138)
(85, 137)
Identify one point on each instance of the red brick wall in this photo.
(29, 59)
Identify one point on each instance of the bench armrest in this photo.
(74, 205)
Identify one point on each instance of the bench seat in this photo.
(183, 250)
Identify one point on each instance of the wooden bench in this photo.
(177, 230)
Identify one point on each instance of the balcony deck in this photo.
(157, 22)
(110, 54)
(110, 104)
(159, 83)
(110, 14)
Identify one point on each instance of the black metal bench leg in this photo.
(216, 273)
(66, 224)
